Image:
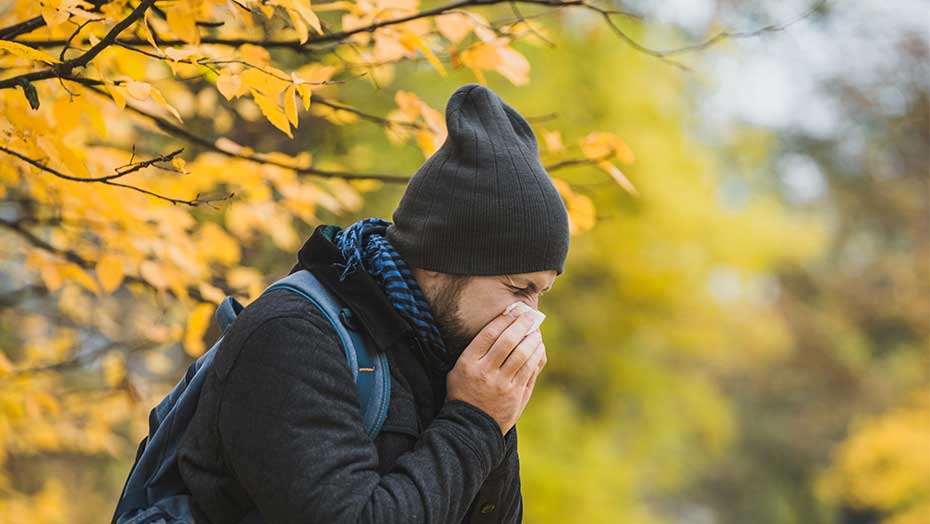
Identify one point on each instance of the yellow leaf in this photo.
(553, 141)
(197, 324)
(114, 94)
(454, 26)
(618, 175)
(67, 114)
(182, 21)
(114, 368)
(303, 33)
(95, 117)
(77, 273)
(268, 84)
(152, 272)
(147, 31)
(51, 276)
(599, 144)
(315, 73)
(179, 54)
(138, 90)
(581, 212)
(157, 362)
(217, 244)
(338, 5)
(304, 91)
(290, 105)
(339, 117)
(28, 52)
(514, 66)
(230, 86)
(70, 158)
(80, 13)
(623, 151)
(53, 16)
(109, 272)
(211, 292)
(481, 55)
(6, 367)
(267, 10)
(254, 54)
(272, 112)
(160, 99)
(179, 164)
(411, 40)
(303, 7)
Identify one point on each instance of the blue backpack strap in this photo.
(227, 312)
(370, 372)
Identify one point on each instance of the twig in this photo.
(65, 68)
(109, 180)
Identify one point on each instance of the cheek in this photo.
(479, 307)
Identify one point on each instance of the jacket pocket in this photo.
(399, 433)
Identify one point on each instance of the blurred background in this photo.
(741, 333)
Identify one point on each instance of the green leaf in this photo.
(31, 94)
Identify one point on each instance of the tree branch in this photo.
(65, 68)
(342, 35)
(109, 178)
(210, 144)
(11, 32)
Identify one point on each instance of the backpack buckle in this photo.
(348, 319)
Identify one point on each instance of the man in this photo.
(278, 435)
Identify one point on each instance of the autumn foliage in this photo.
(159, 155)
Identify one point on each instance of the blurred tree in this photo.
(859, 313)
(161, 155)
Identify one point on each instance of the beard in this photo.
(444, 307)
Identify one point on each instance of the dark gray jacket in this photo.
(278, 436)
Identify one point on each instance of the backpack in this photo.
(154, 492)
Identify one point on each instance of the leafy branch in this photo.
(108, 179)
(65, 68)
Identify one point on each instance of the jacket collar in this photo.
(359, 291)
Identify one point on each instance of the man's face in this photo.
(463, 307)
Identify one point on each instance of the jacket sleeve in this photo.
(500, 500)
(291, 431)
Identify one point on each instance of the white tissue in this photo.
(538, 316)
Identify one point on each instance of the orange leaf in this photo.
(290, 105)
(230, 86)
(618, 175)
(197, 324)
(272, 112)
(109, 272)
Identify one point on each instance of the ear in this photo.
(429, 272)
(424, 274)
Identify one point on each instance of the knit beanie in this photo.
(482, 204)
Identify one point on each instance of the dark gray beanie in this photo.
(482, 204)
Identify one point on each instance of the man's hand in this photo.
(498, 370)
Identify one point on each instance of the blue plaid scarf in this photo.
(364, 245)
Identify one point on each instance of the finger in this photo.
(487, 336)
(507, 340)
(528, 390)
(520, 354)
(530, 366)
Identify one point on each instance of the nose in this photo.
(533, 302)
